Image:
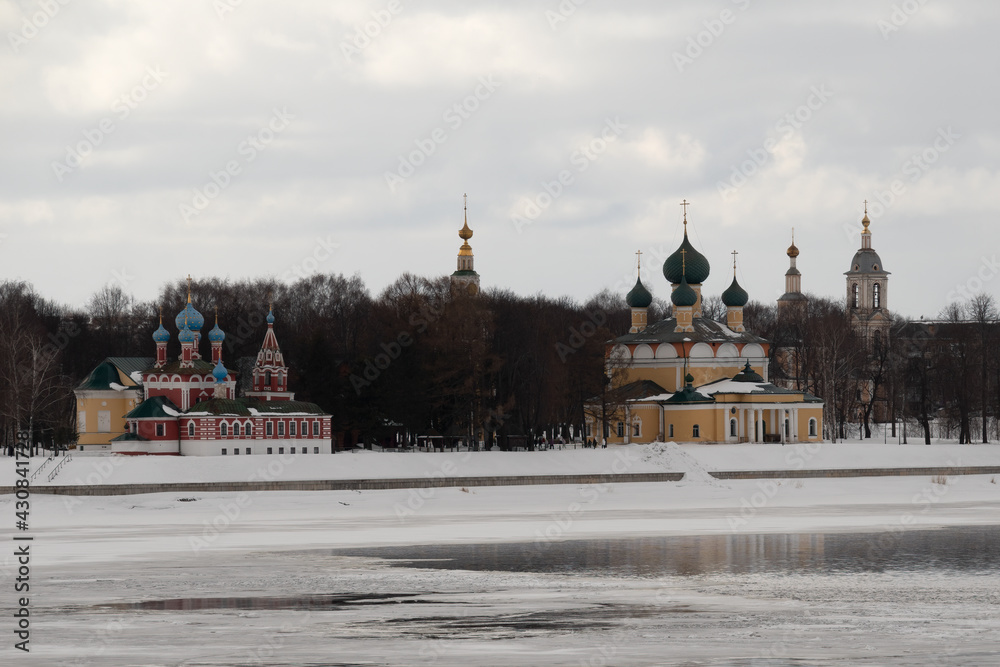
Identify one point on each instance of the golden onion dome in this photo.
(465, 233)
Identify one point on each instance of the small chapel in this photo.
(689, 378)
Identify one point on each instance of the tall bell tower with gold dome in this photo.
(867, 283)
(465, 275)
(793, 298)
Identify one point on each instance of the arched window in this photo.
(855, 295)
(732, 427)
(267, 378)
(236, 429)
(249, 430)
(812, 427)
(876, 296)
(191, 429)
(224, 429)
(695, 431)
(877, 342)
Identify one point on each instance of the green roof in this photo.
(220, 406)
(705, 331)
(246, 407)
(157, 407)
(129, 365)
(101, 377)
(465, 272)
(747, 375)
(129, 437)
(284, 407)
(689, 395)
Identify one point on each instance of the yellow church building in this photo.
(689, 378)
(111, 390)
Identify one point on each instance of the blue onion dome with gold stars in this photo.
(219, 372)
(697, 267)
(161, 335)
(191, 317)
(216, 335)
(735, 296)
(683, 295)
(639, 296)
(186, 335)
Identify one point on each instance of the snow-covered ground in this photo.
(661, 457)
(93, 557)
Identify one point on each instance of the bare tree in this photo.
(713, 308)
(610, 403)
(982, 310)
(31, 381)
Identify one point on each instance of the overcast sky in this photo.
(229, 138)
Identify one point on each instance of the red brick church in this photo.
(190, 407)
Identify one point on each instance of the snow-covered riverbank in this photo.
(93, 556)
(669, 457)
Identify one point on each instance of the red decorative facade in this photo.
(190, 407)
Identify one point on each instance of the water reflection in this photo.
(317, 602)
(967, 549)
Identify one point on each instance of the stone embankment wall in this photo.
(521, 480)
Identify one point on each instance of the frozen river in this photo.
(920, 597)
(962, 549)
(853, 571)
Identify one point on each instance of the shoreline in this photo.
(500, 480)
(82, 529)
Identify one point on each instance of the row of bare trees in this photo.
(943, 372)
(34, 390)
(421, 358)
(417, 358)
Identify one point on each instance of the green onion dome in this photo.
(639, 297)
(691, 263)
(683, 295)
(735, 295)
